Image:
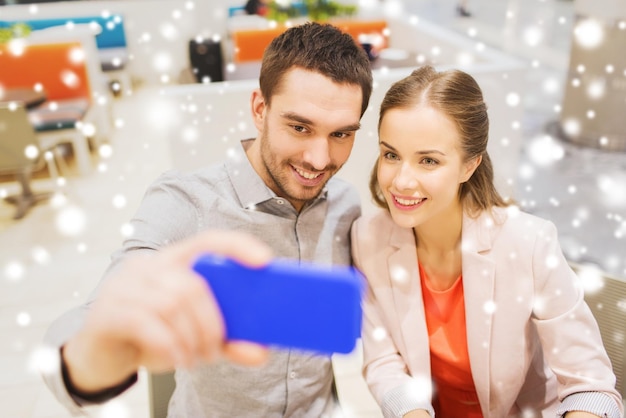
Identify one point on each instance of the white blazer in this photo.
(532, 340)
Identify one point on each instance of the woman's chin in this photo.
(404, 220)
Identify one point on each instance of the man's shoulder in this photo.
(213, 174)
(343, 200)
(341, 189)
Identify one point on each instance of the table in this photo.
(29, 97)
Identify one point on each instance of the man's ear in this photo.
(470, 167)
(257, 105)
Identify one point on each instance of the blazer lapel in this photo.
(407, 294)
(478, 288)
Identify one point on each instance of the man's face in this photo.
(306, 135)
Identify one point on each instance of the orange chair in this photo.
(249, 44)
(60, 70)
(358, 28)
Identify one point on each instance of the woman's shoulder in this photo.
(374, 235)
(372, 221)
(372, 229)
(511, 221)
(512, 216)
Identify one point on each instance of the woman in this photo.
(472, 309)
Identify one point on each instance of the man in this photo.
(152, 311)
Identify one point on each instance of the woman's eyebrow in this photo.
(420, 152)
(387, 145)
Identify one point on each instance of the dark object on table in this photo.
(206, 60)
(256, 7)
(372, 54)
(462, 11)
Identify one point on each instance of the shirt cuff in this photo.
(404, 399)
(597, 403)
(86, 399)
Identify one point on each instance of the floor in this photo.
(52, 258)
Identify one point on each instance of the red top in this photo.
(454, 393)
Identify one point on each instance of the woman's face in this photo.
(420, 166)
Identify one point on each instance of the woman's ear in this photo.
(257, 105)
(470, 167)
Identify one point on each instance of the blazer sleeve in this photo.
(384, 369)
(567, 329)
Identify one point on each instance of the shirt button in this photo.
(292, 375)
(280, 201)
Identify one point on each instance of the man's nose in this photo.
(317, 153)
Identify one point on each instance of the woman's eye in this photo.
(429, 161)
(390, 156)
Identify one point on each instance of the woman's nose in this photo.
(406, 178)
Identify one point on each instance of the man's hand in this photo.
(155, 311)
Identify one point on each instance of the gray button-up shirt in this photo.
(232, 196)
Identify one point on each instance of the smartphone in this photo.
(287, 303)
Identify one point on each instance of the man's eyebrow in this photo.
(306, 121)
(296, 118)
(354, 127)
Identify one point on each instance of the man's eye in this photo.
(340, 135)
(299, 128)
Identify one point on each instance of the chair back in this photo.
(250, 43)
(16, 135)
(608, 305)
(160, 387)
(59, 67)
